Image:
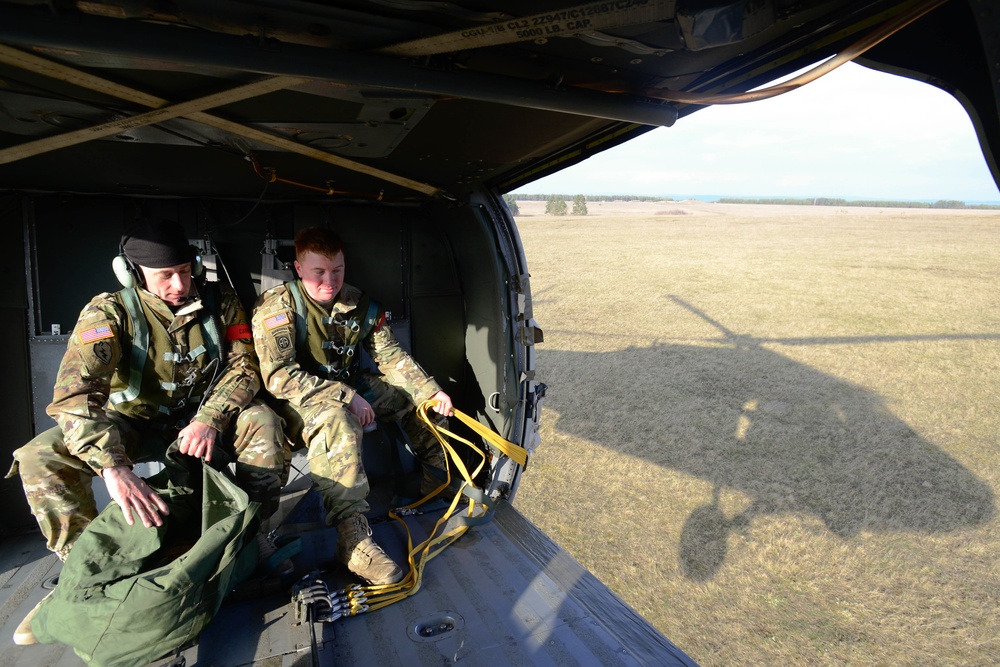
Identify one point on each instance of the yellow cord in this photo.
(370, 598)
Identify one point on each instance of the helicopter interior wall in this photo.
(434, 267)
(15, 409)
(488, 334)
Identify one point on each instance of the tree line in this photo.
(874, 203)
(556, 204)
(522, 197)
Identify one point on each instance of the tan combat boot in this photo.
(358, 551)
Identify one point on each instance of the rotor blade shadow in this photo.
(792, 439)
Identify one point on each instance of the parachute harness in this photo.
(449, 527)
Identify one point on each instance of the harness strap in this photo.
(140, 347)
(140, 342)
(370, 319)
(363, 328)
(334, 373)
(301, 324)
(348, 324)
(177, 357)
(339, 349)
(209, 325)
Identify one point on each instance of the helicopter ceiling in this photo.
(406, 98)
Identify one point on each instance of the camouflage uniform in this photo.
(108, 414)
(313, 387)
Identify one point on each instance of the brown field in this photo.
(774, 430)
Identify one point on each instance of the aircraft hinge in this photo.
(531, 333)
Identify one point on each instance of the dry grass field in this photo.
(774, 430)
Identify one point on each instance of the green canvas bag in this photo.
(128, 595)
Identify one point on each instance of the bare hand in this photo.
(361, 409)
(443, 405)
(133, 494)
(197, 439)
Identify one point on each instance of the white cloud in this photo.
(853, 133)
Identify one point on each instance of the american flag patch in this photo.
(278, 320)
(96, 333)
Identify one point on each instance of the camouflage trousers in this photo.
(333, 438)
(58, 488)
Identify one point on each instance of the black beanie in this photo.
(156, 243)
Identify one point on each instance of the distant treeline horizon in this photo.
(874, 203)
(786, 201)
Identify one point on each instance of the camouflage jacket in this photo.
(286, 377)
(176, 372)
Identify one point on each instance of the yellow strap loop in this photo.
(517, 453)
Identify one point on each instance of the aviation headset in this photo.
(128, 272)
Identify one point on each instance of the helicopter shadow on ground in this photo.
(792, 439)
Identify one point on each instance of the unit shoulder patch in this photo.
(103, 352)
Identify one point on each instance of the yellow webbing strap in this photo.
(369, 598)
(518, 454)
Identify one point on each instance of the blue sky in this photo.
(854, 133)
